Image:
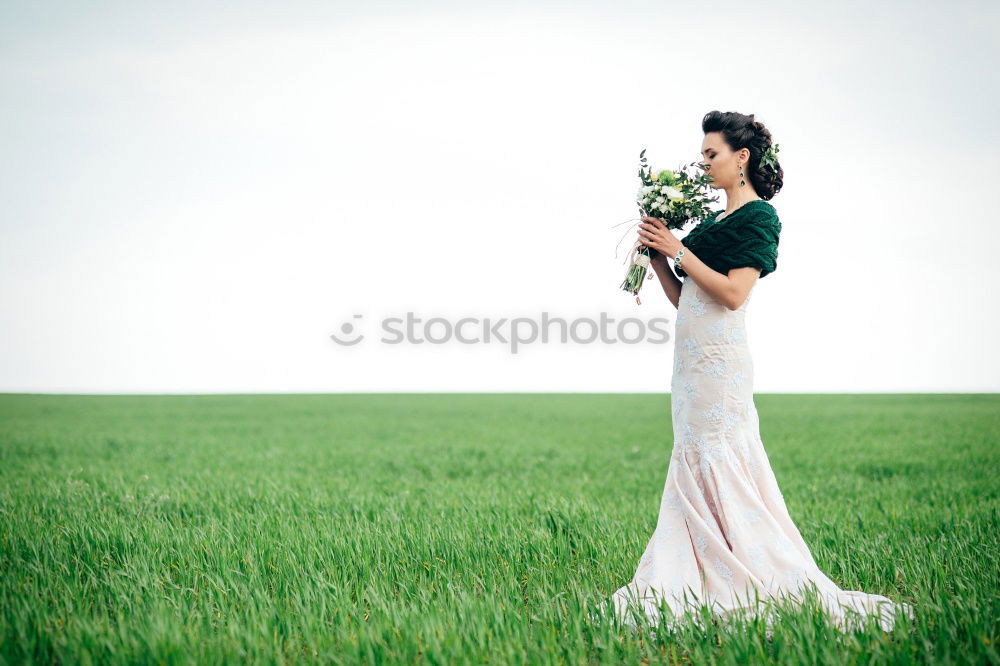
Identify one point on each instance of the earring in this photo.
(742, 182)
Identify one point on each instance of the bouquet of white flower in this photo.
(674, 196)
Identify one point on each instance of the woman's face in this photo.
(719, 161)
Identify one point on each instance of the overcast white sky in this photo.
(194, 196)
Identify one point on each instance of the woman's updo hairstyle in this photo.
(742, 131)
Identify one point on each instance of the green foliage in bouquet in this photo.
(674, 196)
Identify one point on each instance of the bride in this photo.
(724, 536)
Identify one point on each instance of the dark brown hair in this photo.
(742, 131)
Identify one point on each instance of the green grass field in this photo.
(462, 528)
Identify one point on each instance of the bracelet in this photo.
(677, 259)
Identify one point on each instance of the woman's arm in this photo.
(752, 248)
(729, 289)
(671, 285)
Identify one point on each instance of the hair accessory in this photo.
(770, 157)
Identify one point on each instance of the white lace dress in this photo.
(724, 536)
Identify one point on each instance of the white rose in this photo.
(673, 193)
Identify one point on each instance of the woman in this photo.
(724, 536)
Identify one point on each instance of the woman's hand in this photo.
(653, 233)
